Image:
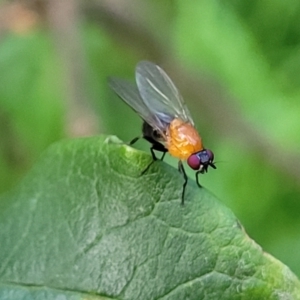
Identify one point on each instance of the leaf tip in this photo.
(113, 139)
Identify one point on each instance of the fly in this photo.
(168, 125)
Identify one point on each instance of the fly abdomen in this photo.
(150, 133)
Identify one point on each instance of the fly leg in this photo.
(158, 147)
(134, 140)
(154, 137)
(181, 170)
(197, 178)
(155, 146)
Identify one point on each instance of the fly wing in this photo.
(160, 94)
(130, 94)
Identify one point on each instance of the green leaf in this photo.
(84, 224)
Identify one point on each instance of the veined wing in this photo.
(130, 94)
(159, 93)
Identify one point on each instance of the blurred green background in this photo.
(236, 64)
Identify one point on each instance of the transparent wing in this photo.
(159, 93)
(130, 94)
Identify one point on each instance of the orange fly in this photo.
(168, 124)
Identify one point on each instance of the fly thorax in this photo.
(183, 139)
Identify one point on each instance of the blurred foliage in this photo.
(31, 105)
(251, 48)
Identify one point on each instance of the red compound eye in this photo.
(194, 161)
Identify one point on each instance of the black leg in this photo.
(134, 140)
(197, 179)
(181, 170)
(158, 147)
(154, 158)
(150, 135)
(162, 157)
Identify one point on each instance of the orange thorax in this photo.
(182, 139)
